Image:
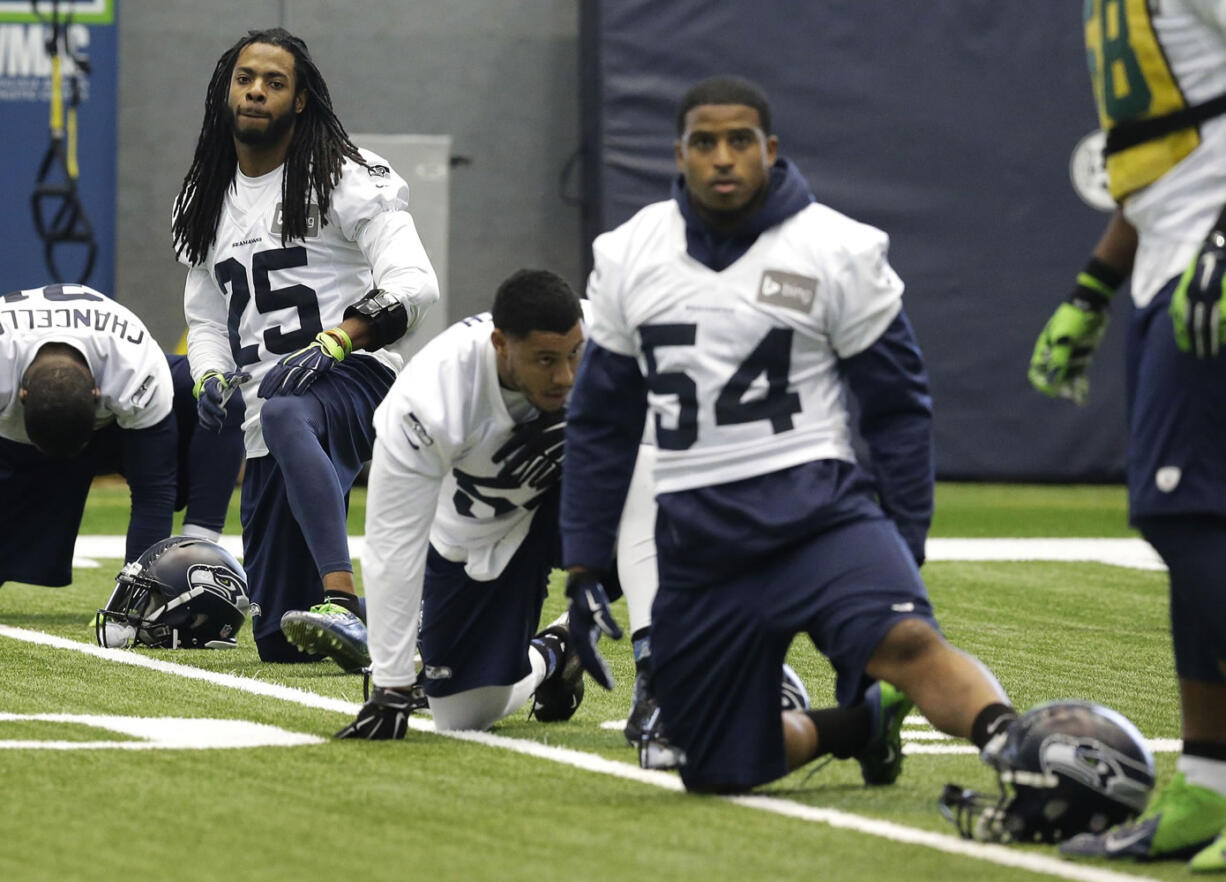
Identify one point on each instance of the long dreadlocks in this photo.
(312, 164)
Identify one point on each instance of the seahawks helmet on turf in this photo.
(1065, 767)
(182, 592)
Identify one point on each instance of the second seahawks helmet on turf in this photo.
(182, 592)
(1065, 767)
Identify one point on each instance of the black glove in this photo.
(589, 618)
(533, 453)
(295, 373)
(384, 717)
(213, 391)
(1197, 304)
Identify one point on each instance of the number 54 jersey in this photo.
(741, 365)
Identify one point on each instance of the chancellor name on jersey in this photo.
(275, 298)
(129, 367)
(443, 420)
(751, 400)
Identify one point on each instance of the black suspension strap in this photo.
(59, 216)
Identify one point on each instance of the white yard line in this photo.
(994, 854)
(1134, 553)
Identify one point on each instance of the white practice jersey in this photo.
(445, 417)
(129, 367)
(433, 481)
(254, 301)
(1175, 213)
(742, 365)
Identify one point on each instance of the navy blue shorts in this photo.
(1176, 419)
(281, 569)
(717, 651)
(476, 634)
(37, 536)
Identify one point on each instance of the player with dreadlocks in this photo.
(305, 274)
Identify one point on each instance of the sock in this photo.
(198, 532)
(641, 640)
(345, 599)
(842, 731)
(1202, 770)
(990, 721)
(552, 648)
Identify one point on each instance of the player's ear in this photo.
(499, 340)
(679, 155)
(300, 101)
(772, 150)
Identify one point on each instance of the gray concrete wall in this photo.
(499, 76)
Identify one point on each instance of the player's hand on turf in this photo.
(589, 618)
(533, 454)
(295, 373)
(384, 716)
(1064, 350)
(213, 391)
(1198, 306)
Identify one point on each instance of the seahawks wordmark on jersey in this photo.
(742, 365)
(129, 368)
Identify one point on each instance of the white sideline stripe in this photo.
(1133, 553)
(995, 854)
(159, 733)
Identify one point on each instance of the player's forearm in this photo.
(1117, 247)
(399, 264)
(891, 387)
(148, 458)
(400, 508)
(604, 424)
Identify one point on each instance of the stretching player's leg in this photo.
(636, 570)
(483, 706)
(295, 432)
(1189, 813)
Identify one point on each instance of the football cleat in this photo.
(330, 629)
(1181, 819)
(1212, 858)
(881, 759)
(559, 695)
(655, 750)
(417, 692)
(794, 694)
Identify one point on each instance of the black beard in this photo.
(270, 134)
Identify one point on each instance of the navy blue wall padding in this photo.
(950, 125)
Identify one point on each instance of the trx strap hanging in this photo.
(59, 216)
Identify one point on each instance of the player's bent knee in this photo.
(905, 644)
(281, 418)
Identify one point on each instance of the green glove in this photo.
(1067, 343)
(1198, 306)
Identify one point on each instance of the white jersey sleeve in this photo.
(865, 295)
(129, 367)
(606, 322)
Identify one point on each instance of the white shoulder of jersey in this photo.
(366, 191)
(444, 390)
